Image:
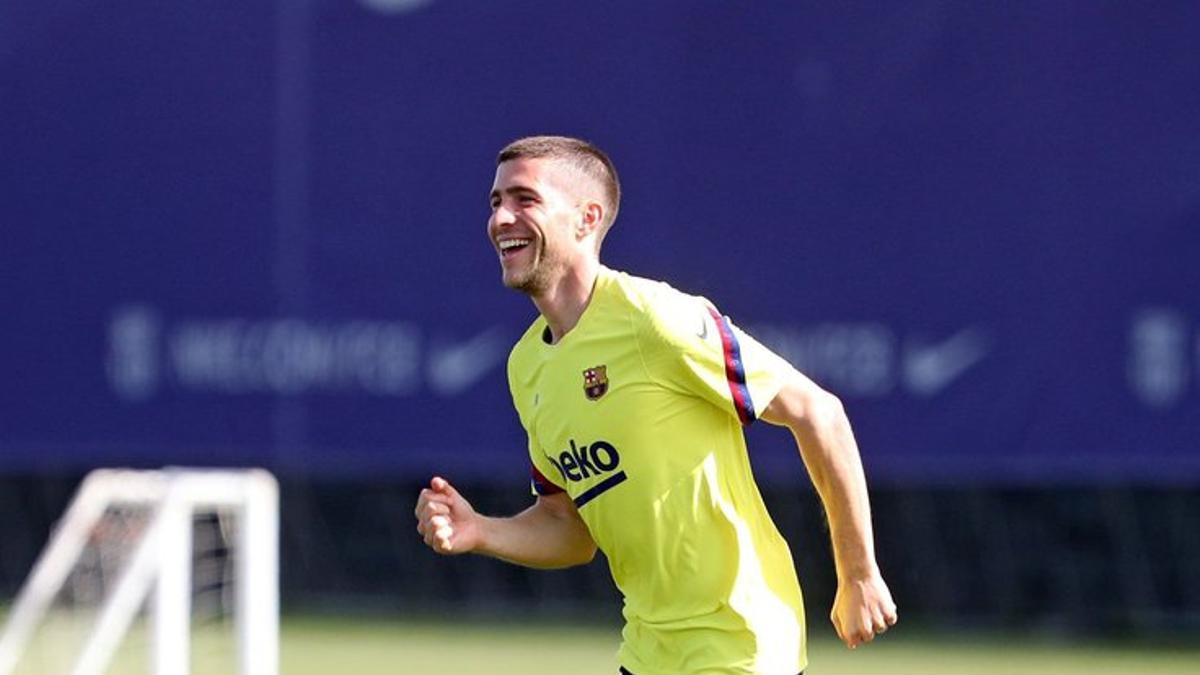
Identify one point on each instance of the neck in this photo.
(563, 303)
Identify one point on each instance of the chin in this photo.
(517, 282)
(528, 283)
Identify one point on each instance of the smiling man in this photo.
(633, 396)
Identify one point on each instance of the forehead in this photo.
(538, 173)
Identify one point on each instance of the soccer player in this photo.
(634, 395)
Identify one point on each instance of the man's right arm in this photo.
(549, 534)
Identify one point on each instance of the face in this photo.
(534, 215)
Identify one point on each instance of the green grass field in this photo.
(321, 646)
(312, 646)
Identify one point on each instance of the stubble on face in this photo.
(538, 277)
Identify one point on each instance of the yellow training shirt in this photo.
(637, 414)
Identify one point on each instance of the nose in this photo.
(502, 217)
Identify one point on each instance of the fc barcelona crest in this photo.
(595, 382)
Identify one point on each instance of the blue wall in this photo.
(252, 233)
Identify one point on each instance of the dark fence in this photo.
(1092, 561)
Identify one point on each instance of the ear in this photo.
(589, 223)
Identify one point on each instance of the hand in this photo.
(445, 519)
(862, 609)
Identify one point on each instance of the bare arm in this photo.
(549, 534)
(863, 606)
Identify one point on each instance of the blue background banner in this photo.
(253, 233)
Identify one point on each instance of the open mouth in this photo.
(510, 247)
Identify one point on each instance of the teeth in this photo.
(511, 243)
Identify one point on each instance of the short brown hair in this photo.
(579, 154)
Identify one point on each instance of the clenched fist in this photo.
(445, 519)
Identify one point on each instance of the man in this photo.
(633, 396)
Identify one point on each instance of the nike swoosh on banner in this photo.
(454, 368)
(928, 369)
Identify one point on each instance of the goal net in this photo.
(171, 572)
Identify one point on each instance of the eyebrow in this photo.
(516, 189)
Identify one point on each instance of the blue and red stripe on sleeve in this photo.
(541, 484)
(735, 372)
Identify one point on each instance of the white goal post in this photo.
(159, 568)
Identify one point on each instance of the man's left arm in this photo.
(863, 606)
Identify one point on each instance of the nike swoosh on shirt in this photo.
(454, 368)
(930, 368)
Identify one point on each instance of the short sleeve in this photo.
(542, 473)
(701, 351)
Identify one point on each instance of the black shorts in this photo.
(623, 671)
